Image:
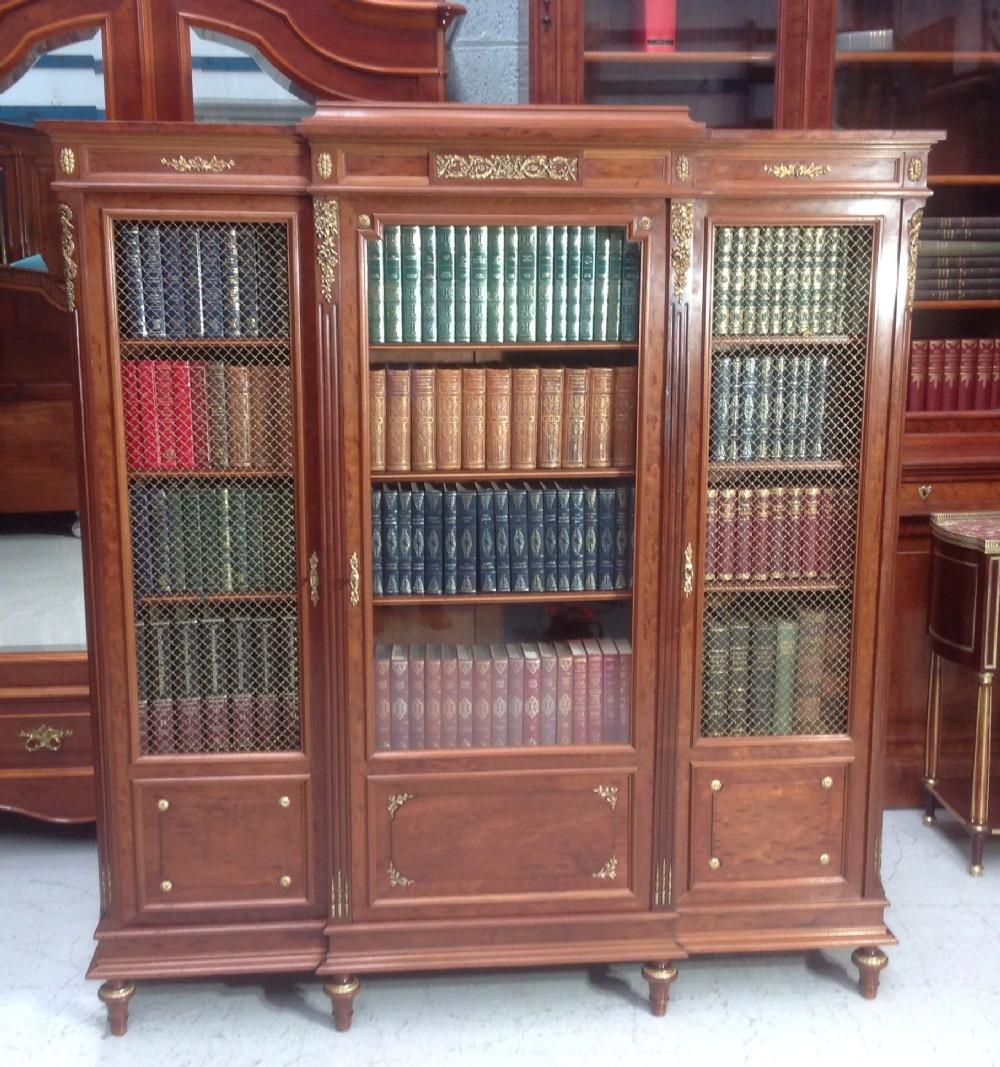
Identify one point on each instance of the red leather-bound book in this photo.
(433, 696)
(183, 414)
(951, 371)
(549, 697)
(985, 356)
(579, 653)
(135, 452)
(995, 390)
(418, 695)
(792, 557)
(465, 696)
(595, 692)
(166, 424)
(564, 694)
(935, 374)
(501, 695)
(532, 694)
(744, 545)
(383, 698)
(482, 695)
(145, 384)
(610, 690)
(515, 694)
(968, 353)
(624, 647)
(656, 25)
(916, 395)
(399, 693)
(449, 696)
(777, 534)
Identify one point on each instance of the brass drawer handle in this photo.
(44, 738)
(924, 491)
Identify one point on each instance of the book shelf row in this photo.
(958, 258)
(491, 283)
(183, 414)
(954, 374)
(493, 696)
(493, 417)
(770, 407)
(222, 683)
(780, 533)
(789, 280)
(501, 538)
(209, 279)
(775, 676)
(196, 539)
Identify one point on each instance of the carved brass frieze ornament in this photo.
(67, 160)
(69, 252)
(508, 168)
(797, 170)
(915, 170)
(327, 215)
(609, 870)
(682, 168)
(681, 233)
(44, 737)
(324, 165)
(194, 164)
(913, 234)
(608, 793)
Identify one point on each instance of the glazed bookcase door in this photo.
(503, 371)
(788, 365)
(205, 356)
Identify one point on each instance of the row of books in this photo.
(211, 279)
(512, 284)
(501, 538)
(769, 407)
(218, 684)
(958, 258)
(778, 676)
(492, 417)
(196, 414)
(491, 696)
(784, 280)
(954, 374)
(782, 533)
(200, 539)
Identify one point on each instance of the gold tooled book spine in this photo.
(397, 419)
(524, 419)
(376, 418)
(473, 418)
(448, 413)
(422, 418)
(599, 425)
(550, 404)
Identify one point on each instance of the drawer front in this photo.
(767, 823)
(500, 838)
(223, 843)
(33, 740)
(924, 497)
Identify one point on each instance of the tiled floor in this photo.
(939, 1000)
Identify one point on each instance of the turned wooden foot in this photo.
(870, 963)
(659, 976)
(978, 838)
(342, 991)
(116, 996)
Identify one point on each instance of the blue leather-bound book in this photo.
(606, 537)
(517, 505)
(390, 539)
(417, 536)
(576, 538)
(501, 536)
(564, 538)
(487, 544)
(433, 539)
(405, 539)
(536, 538)
(467, 539)
(449, 539)
(377, 583)
(590, 511)
(550, 503)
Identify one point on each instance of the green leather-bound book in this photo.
(463, 295)
(444, 237)
(510, 271)
(574, 239)
(544, 281)
(786, 642)
(478, 282)
(392, 283)
(602, 271)
(410, 268)
(527, 278)
(495, 305)
(428, 284)
(631, 284)
(715, 678)
(588, 269)
(613, 317)
(376, 294)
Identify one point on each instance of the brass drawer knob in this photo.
(715, 863)
(924, 491)
(285, 881)
(715, 785)
(166, 885)
(827, 782)
(162, 805)
(825, 859)
(284, 802)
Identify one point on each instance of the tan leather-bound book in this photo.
(238, 414)
(260, 403)
(499, 387)
(550, 405)
(397, 419)
(524, 419)
(376, 418)
(599, 426)
(448, 414)
(574, 416)
(282, 441)
(422, 419)
(473, 418)
(623, 417)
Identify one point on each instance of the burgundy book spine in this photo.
(549, 695)
(935, 374)
(810, 531)
(564, 694)
(579, 692)
(792, 557)
(777, 533)
(625, 691)
(482, 695)
(916, 396)
(968, 356)
(532, 694)
(983, 390)
(449, 697)
(383, 698)
(760, 524)
(726, 556)
(433, 695)
(952, 365)
(515, 694)
(418, 695)
(501, 695)
(595, 692)
(610, 689)
(399, 690)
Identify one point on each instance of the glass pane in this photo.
(232, 82)
(502, 483)
(789, 345)
(65, 82)
(206, 409)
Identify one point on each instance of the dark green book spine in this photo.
(715, 678)
(517, 497)
(588, 277)
(487, 561)
(449, 539)
(392, 283)
(467, 539)
(433, 539)
(256, 547)
(746, 428)
(804, 397)
(478, 282)
(564, 535)
(631, 286)
(574, 240)
(560, 238)
(544, 284)
(418, 535)
(193, 540)
(428, 284)
(375, 294)
(495, 302)
(510, 273)
(590, 518)
(405, 539)
(761, 431)
(410, 252)
(722, 281)
(390, 539)
(739, 676)
(501, 536)
(761, 691)
(722, 417)
(550, 505)
(616, 245)
(776, 425)
(176, 542)
(527, 268)
(786, 644)
(445, 299)
(378, 585)
(142, 572)
(606, 538)
(463, 292)
(225, 536)
(790, 419)
(238, 537)
(602, 281)
(209, 531)
(536, 539)
(816, 416)
(159, 540)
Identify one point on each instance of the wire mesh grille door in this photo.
(789, 346)
(205, 349)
